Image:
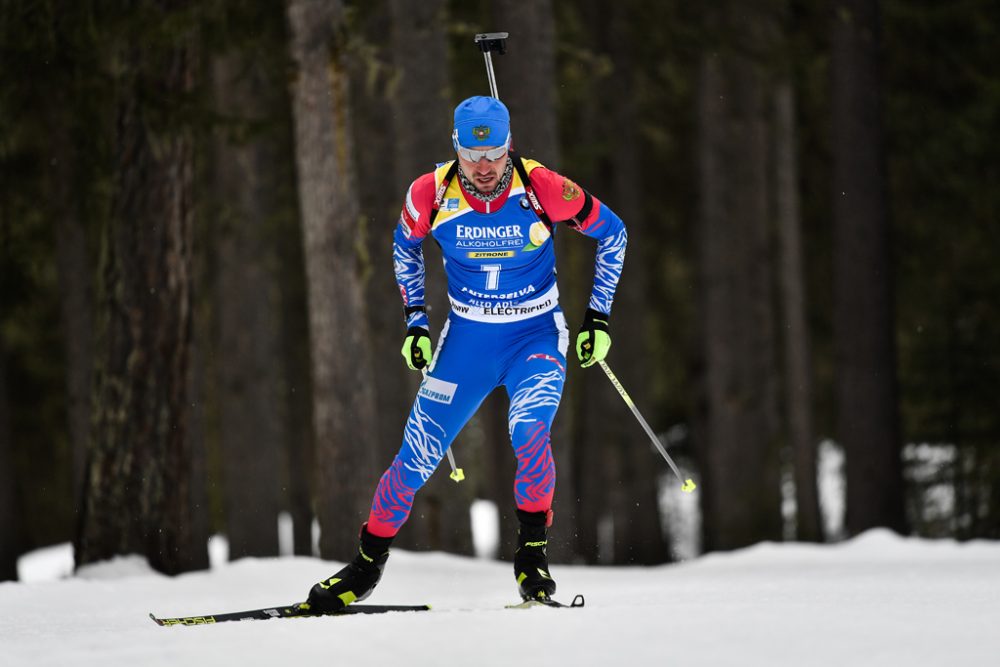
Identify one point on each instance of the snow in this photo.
(875, 600)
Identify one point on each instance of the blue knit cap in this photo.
(481, 121)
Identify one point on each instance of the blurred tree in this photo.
(866, 386)
(199, 522)
(10, 541)
(584, 476)
(658, 365)
(137, 488)
(942, 102)
(343, 383)
(373, 89)
(738, 448)
(795, 335)
(639, 537)
(75, 286)
(251, 416)
(797, 350)
(260, 33)
(74, 263)
(54, 112)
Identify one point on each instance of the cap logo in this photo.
(481, 132)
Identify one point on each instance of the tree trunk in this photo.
(866, 386)
(200, 528)
(137, 489)
(741, 487)
(251, 418)
(378, 112)
(579, 428)
(300, 452)
(798, 365)
(343, 383)
(9, 515)
(298, 404)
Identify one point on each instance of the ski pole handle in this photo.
(687, 485)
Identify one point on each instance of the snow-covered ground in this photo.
(875, 600)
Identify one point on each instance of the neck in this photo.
(498, 191)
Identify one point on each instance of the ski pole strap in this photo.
(442, 188)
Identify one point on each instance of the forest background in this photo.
(199, 326)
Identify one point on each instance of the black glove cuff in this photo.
(595, 320)
(418, 331)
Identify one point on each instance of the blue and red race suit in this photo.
(505, 326)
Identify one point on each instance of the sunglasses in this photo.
(492, 154)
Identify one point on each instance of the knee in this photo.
(536, 399)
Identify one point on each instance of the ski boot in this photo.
(355, 581)
(531, 565)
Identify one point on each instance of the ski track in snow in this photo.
(876, 600)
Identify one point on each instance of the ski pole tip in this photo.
(688, 486)
(458, 475)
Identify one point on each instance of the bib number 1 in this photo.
(492, 275)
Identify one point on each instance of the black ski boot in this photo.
(355, 581)
(531, 566)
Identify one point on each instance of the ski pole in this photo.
(489, 42)
(457, 473)
(687, 485)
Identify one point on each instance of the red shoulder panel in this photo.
(416, 214)
(561, 198)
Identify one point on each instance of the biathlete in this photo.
(494, 214)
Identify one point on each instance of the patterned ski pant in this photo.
(529, 359)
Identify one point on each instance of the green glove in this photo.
(593, 341)
(417, 348)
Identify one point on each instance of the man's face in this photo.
(484, 174)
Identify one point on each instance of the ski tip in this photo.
(155, 619)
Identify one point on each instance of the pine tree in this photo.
(137, 489)
(343, 387)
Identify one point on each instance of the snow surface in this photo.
(875, 600)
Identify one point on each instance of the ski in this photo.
(578, 601)
(297, 610)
